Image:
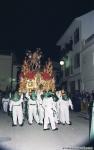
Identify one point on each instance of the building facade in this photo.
(87, 65)
(76, 45)
(8, 72)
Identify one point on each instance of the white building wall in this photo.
(5, 72)
(85, 23)
(87, 68)
(69, 34)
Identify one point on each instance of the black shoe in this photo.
(55, 129)
(63, 123)
(14, 125)
(69, 123)
(29, 123)
(40, 123)
(21, 125)
(47, 129)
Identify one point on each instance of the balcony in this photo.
(68, 47)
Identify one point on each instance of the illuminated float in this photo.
(32, 77)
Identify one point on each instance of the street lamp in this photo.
(62, 62)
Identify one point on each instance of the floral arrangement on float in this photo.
(31, 77)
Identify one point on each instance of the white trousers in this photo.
(49, 118)
(41, 114)
(32, 112)
(64, 115)
(56, 117)
(5, 106)
(58, 113)
(17, 113)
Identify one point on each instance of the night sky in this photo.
(38, 23)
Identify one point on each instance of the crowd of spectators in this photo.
(82, 101)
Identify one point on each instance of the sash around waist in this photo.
(31, 104)
(17, 105)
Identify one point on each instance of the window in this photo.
(69, 45)
(77, 60)
(76, 36)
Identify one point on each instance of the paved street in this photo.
(34, 138)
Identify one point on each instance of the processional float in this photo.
(33, 75)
